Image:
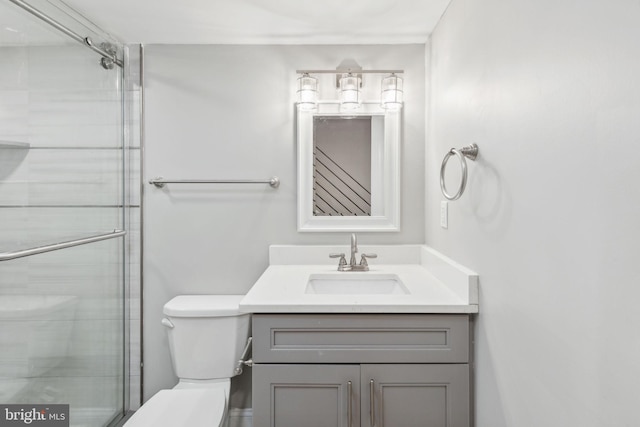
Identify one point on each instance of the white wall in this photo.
(550, 92)
(228, 112)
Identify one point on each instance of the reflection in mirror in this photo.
(342, 165)
(348, 169)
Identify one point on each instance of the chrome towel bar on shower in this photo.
(160, 182)
(468, 151)
(6, 256)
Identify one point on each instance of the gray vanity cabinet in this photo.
(306, 395)
(415, 395)
(361, 370)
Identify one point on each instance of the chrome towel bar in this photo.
(160, 182)
(468, 151)
(6, 256)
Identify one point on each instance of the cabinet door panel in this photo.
(305, 395)
(415, 395)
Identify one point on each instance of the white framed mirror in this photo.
(348, 169)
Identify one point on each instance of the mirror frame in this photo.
(389, 220)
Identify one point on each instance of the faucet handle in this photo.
(363, 259)
(343, 260)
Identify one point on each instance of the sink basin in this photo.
(348, 283)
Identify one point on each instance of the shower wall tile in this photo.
(71, 108)
(134, 176)
(134, 310)
(96, 308)
(70, 67)
(14, 108)
(134, 339)
(78, 135)
(13, 68)
(134, 226)
(64, 177)
(134, 279)
(23, 227)
(13, 226)
(134, 354)
(15, 277)
(32, 346)
(100, 280)
(97, 338)
(49, 281)
(77, 366)
(91, 280)
(133, 121)
(134, 394)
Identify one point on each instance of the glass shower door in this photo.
(62, 179)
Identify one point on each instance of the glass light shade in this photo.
(307, 93)
(392, 95)
(350, 94)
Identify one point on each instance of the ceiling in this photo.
(264, 21)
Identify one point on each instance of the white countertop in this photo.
(435, 284)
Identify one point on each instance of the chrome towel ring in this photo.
(468, 151)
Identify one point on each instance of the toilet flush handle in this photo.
(166, 322)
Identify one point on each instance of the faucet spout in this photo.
(354, 249)
(352, 266)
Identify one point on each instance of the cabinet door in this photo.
(306, 395)
(415, 395)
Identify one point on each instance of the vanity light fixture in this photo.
(392, 94)
(307, 92)
(349, 84)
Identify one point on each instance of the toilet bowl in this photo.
(207, 334)
(185, 407)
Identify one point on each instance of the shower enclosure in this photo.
(66, 157)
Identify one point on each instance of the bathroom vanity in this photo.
(393, 349)
(361, 370)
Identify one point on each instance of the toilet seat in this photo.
(183, 407)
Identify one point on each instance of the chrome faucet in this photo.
(352, 266)
(354, 249)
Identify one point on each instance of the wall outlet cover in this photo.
(444, 214)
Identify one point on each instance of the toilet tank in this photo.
(207, 334)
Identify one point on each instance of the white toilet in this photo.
(207, 335)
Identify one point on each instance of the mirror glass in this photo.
(348, 169)
(343, 172)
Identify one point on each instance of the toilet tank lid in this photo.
(203, 306)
